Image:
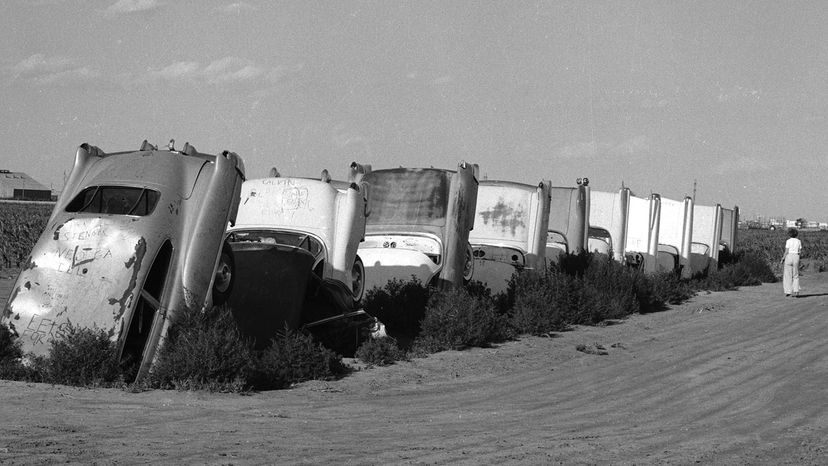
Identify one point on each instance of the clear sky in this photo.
(654, 94)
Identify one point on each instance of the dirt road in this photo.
(728, 378)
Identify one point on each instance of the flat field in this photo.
(727, 378)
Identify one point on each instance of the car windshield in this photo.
(408, 196)
(286, 238)
(115, 200)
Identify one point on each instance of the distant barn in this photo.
(20, 186)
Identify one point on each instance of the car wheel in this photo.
(225, 276)
(468, 264)
(358, 280)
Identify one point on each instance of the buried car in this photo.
(134, 239)
(608, 216)
(626, 226)
(511, 222)
(707, 234)
(730, 225)
(675, 236)
(419, 225)
(294, 258)
(568, 220)
(641, 240)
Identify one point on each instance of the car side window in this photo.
(115, 200)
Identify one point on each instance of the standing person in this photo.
(790, 273)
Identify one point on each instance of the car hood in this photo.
(101, 263)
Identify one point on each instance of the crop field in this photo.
(771, 244)
(20, 226)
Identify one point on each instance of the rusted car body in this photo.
(608, 214)
(511, 222)
(641, 240)
(707, 234)
(568, 220)
(675, 236)
(419, 225)
(295, 255)
(134, 238)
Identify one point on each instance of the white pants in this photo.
(790, 274)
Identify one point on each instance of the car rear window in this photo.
(408, 196)
(286, 238)
(115, 200)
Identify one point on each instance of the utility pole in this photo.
(694, 190)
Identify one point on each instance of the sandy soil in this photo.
(728, 378)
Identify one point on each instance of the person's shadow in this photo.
(812, 295)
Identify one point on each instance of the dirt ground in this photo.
(727, 378)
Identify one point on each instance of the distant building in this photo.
(20, 186)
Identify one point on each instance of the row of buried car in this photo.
(139, 236)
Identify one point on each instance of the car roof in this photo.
(163, 169)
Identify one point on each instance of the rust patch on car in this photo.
(189, 298)
(134, 262)
(505, 216)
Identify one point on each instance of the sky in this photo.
(657, 95)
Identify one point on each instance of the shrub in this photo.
(586, 289)
(665, 287)
(380, 351)
(502, 301)
(754, 268)
(400, 305)
(204, 351)
(455, 319)
(9, 346)
(11, 367)
(539, 301)
(478, 289)
(607, 291)
(747, 268)
(295, 357)
(83, 357)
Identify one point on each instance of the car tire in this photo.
(225, 276)
(358, 280)
(468, 265)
